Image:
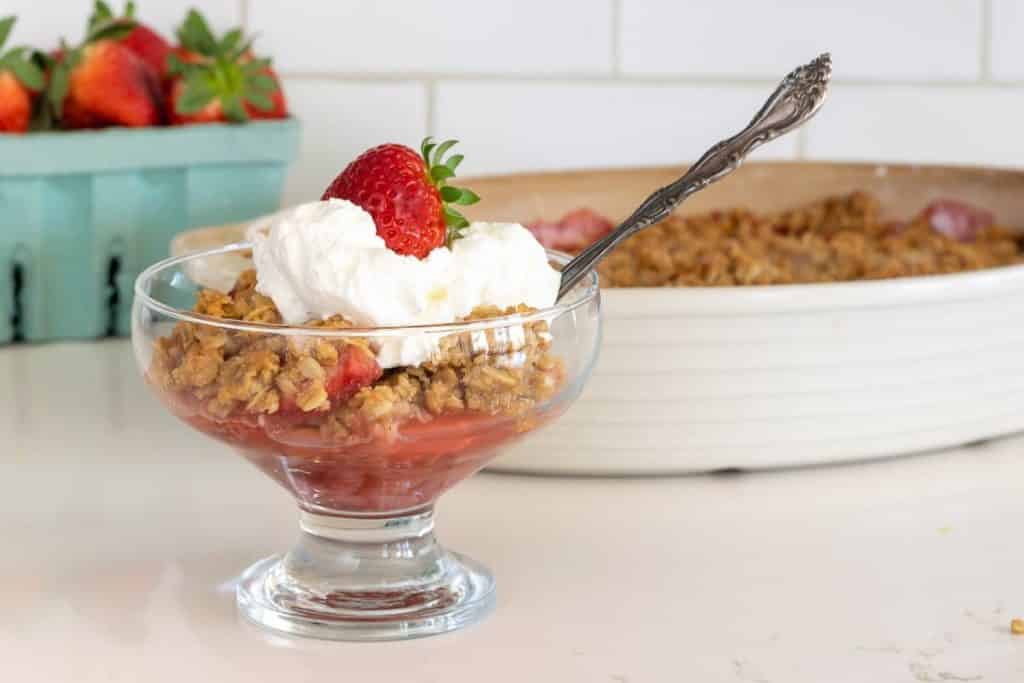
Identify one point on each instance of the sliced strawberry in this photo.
(20, 78)
(957, 220)
(356, 369)
(218, 79)
(573, 232)
(407, 195)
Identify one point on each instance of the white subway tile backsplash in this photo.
(43, 24)
(463, 36)
(44, 29)
(167, 15)
(520, 126)
(536, 84)
(1007, 53)
(928, 124)
(341, 120)
(869, 39)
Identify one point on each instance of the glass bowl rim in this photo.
(582, 294)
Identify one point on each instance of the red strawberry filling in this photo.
(958, 220)
(573, 232)
(318, 413)
(356, 368)
(376, 472)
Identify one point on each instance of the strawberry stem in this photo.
(439, 172)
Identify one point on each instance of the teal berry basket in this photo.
(82, 213)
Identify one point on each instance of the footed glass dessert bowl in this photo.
(365, 450)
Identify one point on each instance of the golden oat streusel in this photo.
(336, 383)
(491, 372)
(836, 239)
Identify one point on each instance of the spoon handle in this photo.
(794, 102)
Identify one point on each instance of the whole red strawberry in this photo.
(110, 85)
(100, 83)
(20, 79)
(143, 41)
(407, 195)
(213, 110)
(15, 104)
(218, 79)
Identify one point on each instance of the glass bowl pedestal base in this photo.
(366, 578)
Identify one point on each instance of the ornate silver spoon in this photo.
(793, 103)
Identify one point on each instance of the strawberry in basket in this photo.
(218, 79)
(101, 82)
(147, 44)
(20, 80)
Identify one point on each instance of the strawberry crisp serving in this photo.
(383, 248)
(840, 238)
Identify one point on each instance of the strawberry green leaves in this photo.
(6, 26)
(102, 14)
(220, 70)
(114, 30)
(194, 34)
(440, 170)
(105, 25)
(18, 60)
(458, 195)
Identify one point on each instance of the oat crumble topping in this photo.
(836, 239)
(335, 383)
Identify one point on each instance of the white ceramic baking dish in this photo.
(697, 379)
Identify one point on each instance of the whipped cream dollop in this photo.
(325, 258)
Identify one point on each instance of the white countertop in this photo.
(123, 531)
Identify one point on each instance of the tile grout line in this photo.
(243, 14)
(985, 71)
(560, 77)
(431, 87)
(621, 80)
(616, 37)
(801, 143)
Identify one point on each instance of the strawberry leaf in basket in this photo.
(224, 72)
(18, 60)
(6, 26)
(27, 73)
